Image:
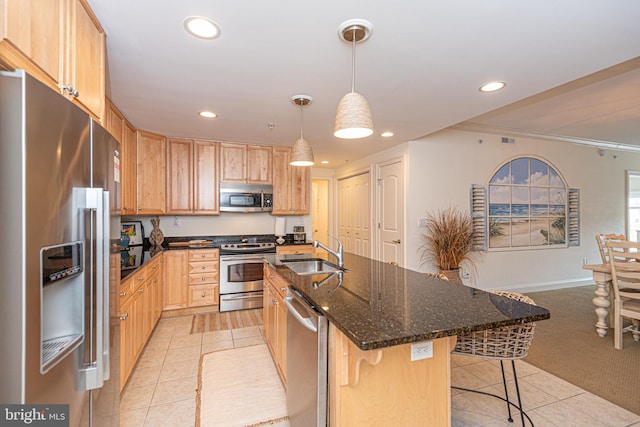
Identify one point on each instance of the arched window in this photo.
(528, 205)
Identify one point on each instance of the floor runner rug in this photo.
(217, 321)
(240, 387)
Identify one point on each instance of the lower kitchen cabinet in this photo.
(275, 318)
(175, 279)
(295, 249)
(191, 278)
(204, 273)
(140, 309)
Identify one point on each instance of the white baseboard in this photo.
(549, 286)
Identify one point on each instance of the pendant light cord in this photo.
(353, 62)
(301, 119)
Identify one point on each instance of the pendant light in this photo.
(301, 152)
(353, 116)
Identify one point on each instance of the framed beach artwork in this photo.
(527, 205)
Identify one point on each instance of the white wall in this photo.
(443, 166)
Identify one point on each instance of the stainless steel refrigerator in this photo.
(59, 254)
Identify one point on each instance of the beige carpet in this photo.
(568, 347)
(228, 320)
(240, 387)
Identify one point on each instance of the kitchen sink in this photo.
(313, 266)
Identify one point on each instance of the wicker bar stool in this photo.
(506, 343)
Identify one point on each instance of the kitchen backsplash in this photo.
(226, 223)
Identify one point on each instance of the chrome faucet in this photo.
(339, 254)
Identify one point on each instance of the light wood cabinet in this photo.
(32, 37)
(114, 121)
(140, 310)
(291, 185)
(295, 249)
(61, 43)
(175, 279)
(275, 318)
(150, 173)
(206, 194)
(179, 176)
(128, 160)
(204, 276)
(121, 129)
(85, 59)
(192, 177)
(247, 164)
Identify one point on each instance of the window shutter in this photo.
(573, 217)
(479, 216)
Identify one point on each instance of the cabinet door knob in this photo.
(141, 290)
(124, 316)
(283, 289)
(203, 279)
(71, 90)
(123, 294)
(203, 295)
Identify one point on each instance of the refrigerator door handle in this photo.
(91, 373)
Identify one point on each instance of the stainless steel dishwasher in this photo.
(307, 335)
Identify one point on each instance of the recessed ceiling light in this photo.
(325, 162)
(202, 27)
(386, 134)
(208, 114)
(492, 86)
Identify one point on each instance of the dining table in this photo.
(602, 276)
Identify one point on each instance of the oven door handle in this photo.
(244, 297)
(243, 260)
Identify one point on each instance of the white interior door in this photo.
(391, 211)
(354, 214)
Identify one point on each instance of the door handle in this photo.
(397, 242)
(305, 321)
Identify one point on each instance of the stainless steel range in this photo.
(241, 266)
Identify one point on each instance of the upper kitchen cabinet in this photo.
(128, 164)
(85, 59)
(291, 185)
(150, 173)
(33, 37)
(61, 43)
(206, 194)
(192, 180)
(247, 164)
(114, 121)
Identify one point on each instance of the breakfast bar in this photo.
(377, 314)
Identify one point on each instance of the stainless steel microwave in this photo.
(246, 198)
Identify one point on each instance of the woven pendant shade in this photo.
(301, 153)
(353, 117)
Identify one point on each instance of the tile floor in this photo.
(162, 388)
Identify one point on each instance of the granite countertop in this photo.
(380, 305)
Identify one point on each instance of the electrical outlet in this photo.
(421, 350)
(422, 222)
(176, 221)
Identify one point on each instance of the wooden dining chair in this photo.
(624, 259)
(602, 244)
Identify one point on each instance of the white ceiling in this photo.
(420, 70)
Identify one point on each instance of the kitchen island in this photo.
(376, 311)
